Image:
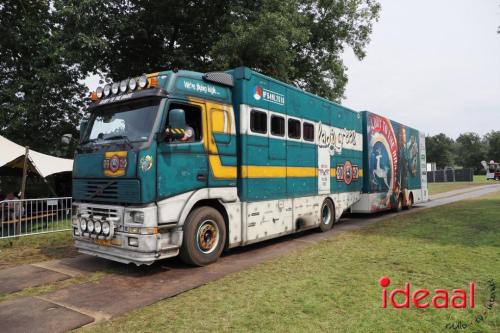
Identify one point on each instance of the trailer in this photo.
(187, 163)
(395, 162)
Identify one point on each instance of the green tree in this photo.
(298, 41)
(440, 149)
(40, 96)
(470, 151)
(492, 145)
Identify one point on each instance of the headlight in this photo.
(83, 224)
(99, 92)
(143, 81)
(90, 226)
(97, 227)
(107, 90)
(123, 86)
(114, 88)
(137, 217)
(132, 84)
(106, 228)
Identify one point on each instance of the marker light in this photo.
(90, 226)
(114, 88)
(106, 228)
(123, 86)
(143, 82)
(98, 227)
(153, 82)
(132, 84)
(93, 96)
(99, 92)
(107, 90)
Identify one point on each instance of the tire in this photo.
(410, 202)
(399, 205)
(327, 217)
(204, 236)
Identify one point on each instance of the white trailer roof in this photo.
(12, 155)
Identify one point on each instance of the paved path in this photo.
(129, 287)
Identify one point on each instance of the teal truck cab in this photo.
(180, 162)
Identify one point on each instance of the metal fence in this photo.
(34, 216)
(450, 175)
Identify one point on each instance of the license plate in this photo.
(103, 242)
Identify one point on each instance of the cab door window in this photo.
(193, 128)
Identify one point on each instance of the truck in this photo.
(190, 164)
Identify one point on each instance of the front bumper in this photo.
(125, 254)
(128, 242)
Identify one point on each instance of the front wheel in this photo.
(204, 235)
(327, 215)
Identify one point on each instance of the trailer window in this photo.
(293, 129)
(277, 125)
(258, 122)
(308, 130)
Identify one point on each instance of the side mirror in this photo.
(67, 138)
(177, 123)
(83, 127)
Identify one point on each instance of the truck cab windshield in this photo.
(132, 122)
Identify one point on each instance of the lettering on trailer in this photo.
(335, 139)
(268, 95)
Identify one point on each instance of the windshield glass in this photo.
(132, 121)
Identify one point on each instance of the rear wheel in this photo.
(204, 235)
(399, 204)
(327, 215)
(410, 202)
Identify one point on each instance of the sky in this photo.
(432, 65)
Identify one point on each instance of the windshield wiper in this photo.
(123, 137)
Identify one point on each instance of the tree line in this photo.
(467, 151)
(48, 47)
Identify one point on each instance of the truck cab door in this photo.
(182, 164)
(221, 140)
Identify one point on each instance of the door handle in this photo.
(201, 176)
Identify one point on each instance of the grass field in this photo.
(333, 285)
(36, 248)
(436, 188)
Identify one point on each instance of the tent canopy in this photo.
(12, 156)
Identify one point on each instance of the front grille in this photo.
(107, 190)
(107, 213)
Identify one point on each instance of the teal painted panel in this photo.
(180, 167)
(146, 170)
(90, 165)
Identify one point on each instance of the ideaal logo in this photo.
(421, 298)
(460, 299)
(268, 95)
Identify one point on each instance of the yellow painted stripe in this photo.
(221, 171)
(258, 171)
(333, 172)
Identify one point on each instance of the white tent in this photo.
(12, 155)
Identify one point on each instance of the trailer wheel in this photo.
(204, 234)
(410, 202)
(327, 215)
(399, 205)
